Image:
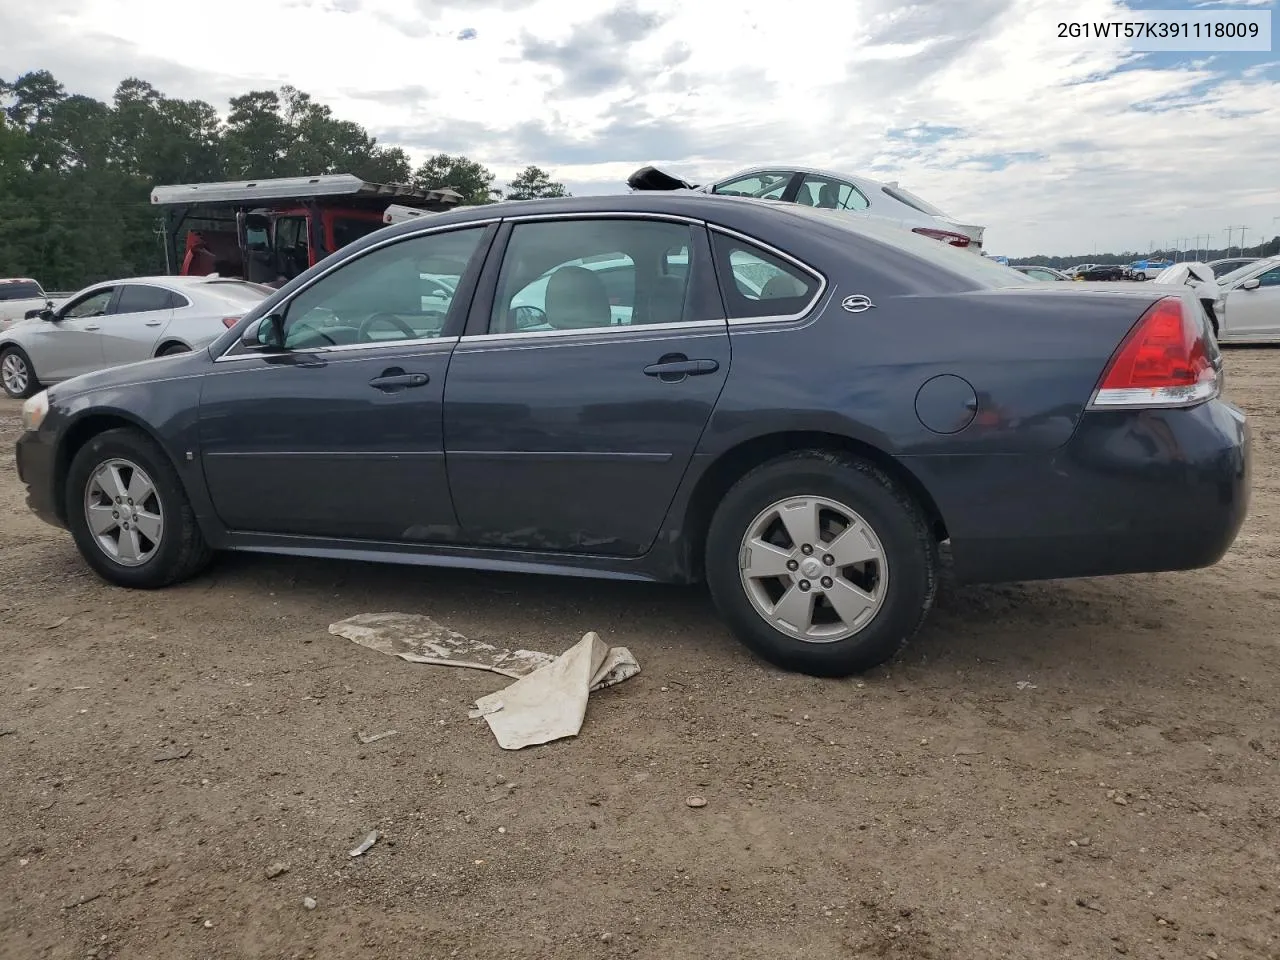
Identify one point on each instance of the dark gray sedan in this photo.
(796, 406)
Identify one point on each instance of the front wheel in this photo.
(821, 563)
(16, 376)
(129, 514)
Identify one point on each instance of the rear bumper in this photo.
(1132, 492)
(35, 456)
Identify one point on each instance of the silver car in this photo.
(1248, 305)
(122, 321)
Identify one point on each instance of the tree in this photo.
(534, 183)
(471, 179)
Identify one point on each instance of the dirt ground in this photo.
(1065, 769)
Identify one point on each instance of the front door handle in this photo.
(675, 367)
(398, 380)
(92, 326)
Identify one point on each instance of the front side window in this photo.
(392, 293)
(766, 185)
(135, 298)
(760, 284)
(830, 194)
(588, 273)
(93, 305)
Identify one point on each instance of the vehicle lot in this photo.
(1068, 769)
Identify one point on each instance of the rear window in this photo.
(979, 270)
(911, 200)
(21, 290)
(240, 291)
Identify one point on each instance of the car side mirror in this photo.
(1252, 284)
(48, 314)
(264, 335)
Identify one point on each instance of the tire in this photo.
(17, 376)
(171, 349)
(178, 551)
(823, 486)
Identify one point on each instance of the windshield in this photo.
(1240, 273)
(21, 290)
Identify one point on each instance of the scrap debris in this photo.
(547, 702)
(375, 737)
(420, 639)
(174, 754)
(365, 844)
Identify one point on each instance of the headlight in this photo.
(34, 410)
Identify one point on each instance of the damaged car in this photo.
(824, 189)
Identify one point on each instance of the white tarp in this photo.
(547, 702)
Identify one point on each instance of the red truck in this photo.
(269, 231)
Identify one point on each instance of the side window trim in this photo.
(704, 300)
(465, 293)
(816, 274)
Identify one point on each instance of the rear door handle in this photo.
(679, 367)
(92, 326)
(154, 323)
(399, 381)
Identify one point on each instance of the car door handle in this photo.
(92, 326)
(399, 381)
(678, 367)
(154, 323)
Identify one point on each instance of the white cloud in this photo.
(1098, 157)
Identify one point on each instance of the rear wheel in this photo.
(129, 514)
(16, 376)
(171, 349)
(821, 563)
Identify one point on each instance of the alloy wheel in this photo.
(813, 568)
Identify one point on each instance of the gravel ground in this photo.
(1052, 770)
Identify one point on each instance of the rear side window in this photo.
(135, 298)
(24, 290)
(756, 283)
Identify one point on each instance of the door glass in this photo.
(768, 185)
(94, 305)
(135, 298)
(291, 245)
(1270, 279)
(404, 291)
(585, 274)
(760, 284)
(830, 194)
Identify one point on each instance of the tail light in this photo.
(230, 322)
(1163, 362)
(946, 236)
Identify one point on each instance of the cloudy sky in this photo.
(976, 105)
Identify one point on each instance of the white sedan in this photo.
(119, 322)
(858, 195)
(1248, 304)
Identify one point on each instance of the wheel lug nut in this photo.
(806, 549)
(826, 583)
(829, 560)
(804, 584)
(792, 565)
(115, 514)
(131, 501)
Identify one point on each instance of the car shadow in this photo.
(1046, 626)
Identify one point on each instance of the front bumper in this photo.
(1131, 492)
(36, 459)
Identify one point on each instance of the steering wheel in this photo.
(391, 318)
